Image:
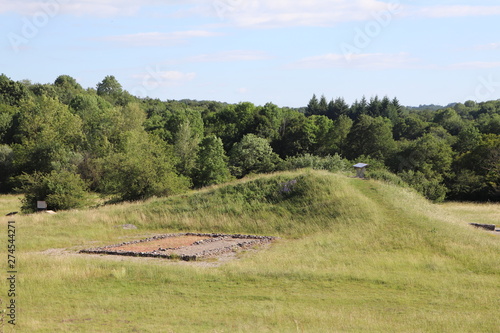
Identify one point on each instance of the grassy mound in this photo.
(355, 256)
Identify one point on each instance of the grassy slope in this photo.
(355, 256)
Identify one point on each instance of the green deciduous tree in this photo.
(47, 137)
(109, 86)
(409, 127)
(186, 148)
(489, 123)
(66, 88)
(11, 92)
(341, 129)
(233, 122)
(252, 155)
(6, 169)
(450, 120)
(111, 90)
(211, 165)
(297, 136)
(483, 163)
(468, 138)
(370, 137)
(429, 154)
(425, 164)
(144, 167)
(324, 143)
(267, 121)
(7, 117)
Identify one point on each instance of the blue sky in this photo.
(278, 51)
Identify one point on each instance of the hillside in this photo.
(354, 256)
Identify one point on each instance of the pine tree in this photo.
(322, 106)
(313, 106)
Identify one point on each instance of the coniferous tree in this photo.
(374, 108)
(313, 106)
(337, 108)
(322, 106)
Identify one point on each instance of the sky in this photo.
(422, 52)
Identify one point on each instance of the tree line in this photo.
(59, 142)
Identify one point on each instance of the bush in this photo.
(333, 163)
(61, 190)
(386, 176)
(431, 188)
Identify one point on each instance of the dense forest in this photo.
(60, 142)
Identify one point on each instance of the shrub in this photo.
(431, 188)
(331, 163)
(386, 176)
(60, 189)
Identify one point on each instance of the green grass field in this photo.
(353, 256)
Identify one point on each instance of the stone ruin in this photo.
(183, 246)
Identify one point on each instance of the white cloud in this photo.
(489, 46)
(281, 13)
(156, 78)
(370, 61)
(99, 8)
(158, 38)
(227, 56)
(454, 11)
(252, 13)
(476, 65)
